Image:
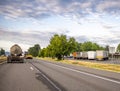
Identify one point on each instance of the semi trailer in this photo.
(102, 55)
(15, 54)
(91, 55)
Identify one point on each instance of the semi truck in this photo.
(77, 55)
(84, 55)
(102, 55)
(15, 54)
(91, 55)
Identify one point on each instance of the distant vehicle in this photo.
(77, 55)
(15, 54)
(28, 56)
(84, 55)
(91, 55)
(74, 55)
(101, 55)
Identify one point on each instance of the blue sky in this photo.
(29, 22)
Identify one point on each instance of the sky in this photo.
(29, 22)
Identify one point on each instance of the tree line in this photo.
(2, 51)
(61, 46)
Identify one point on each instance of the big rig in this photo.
(15, 54)
(102, 55)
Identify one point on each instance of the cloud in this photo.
(101, 40)
(25, 9)
(79, 10)
(82, 38)
(108, 26)
(29, 37)
(46, 8)
(111, 6)
(116, 34)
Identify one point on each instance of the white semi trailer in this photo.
(84, 55)
(101, 55)
(91, 55)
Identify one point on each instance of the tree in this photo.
(72, 45)
(34, 51)
(42, 52)
(2, 51)
(86, 46)
(58, 45)
(95, 47)
(37, 49)
(78, 47)
(89, 46)
(118, 48)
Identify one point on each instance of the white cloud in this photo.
(27, 38)
(85, 19)
(45, 8)
(109, 4)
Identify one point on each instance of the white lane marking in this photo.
(85, 73)
(31, 68)
(47, 79)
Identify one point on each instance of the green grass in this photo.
(101, 66)
(3, 58)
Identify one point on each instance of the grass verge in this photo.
(3, 58)
(101, 66)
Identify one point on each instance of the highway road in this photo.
(38, 75)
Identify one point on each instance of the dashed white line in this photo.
(31, 68)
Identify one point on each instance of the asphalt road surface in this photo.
(38, 75)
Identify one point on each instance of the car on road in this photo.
(29, 57)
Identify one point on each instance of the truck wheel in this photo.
(22, 61)
(8, 59)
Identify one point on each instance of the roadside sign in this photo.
(112, 50)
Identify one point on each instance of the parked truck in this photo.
(15, 54)
(91, 55)
(101, 55)
(77, 55)
(84, 55)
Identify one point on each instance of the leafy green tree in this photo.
(72, 45)
(50, 52)
(118, 48)
(59, 46)
(2, 51)
(86, 46)
(95, 47)
(42, 52)
(89, 46)
(78, 47)
(34, 51)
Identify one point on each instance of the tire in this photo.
(8, 59)
(22, 61)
